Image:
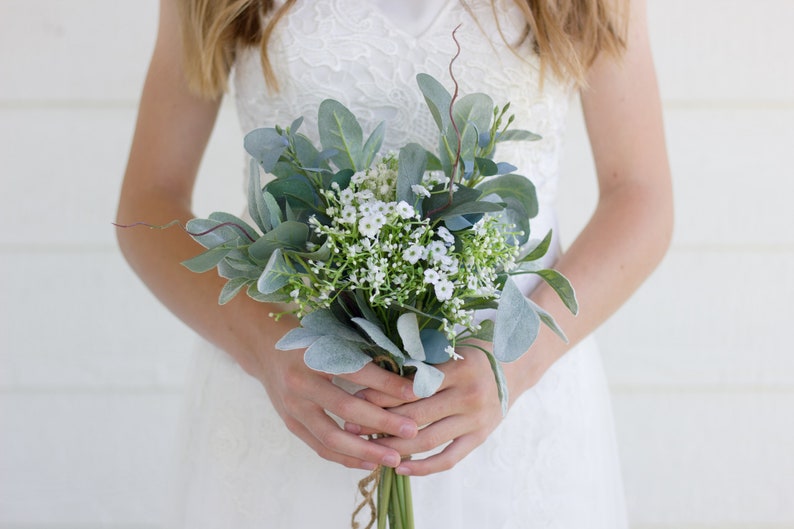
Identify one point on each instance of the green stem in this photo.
(384, 495)
(400, 481)
(409, 504)
(395, 506)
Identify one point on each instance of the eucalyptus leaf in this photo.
(232, 288)
(501, 382)
(244, 230)
(212, 233)
(408, 329)
(274, 297)
(468, 208)
(373, 144)
(516, 326)
(438, 99)
(257, 208)
(288, 235)
(294, 190)
(427, 378)
(275, 275)
(435, 344)
(273, 209)
(539, 250)
(486, 331)
(513, 186)
(339, 129)
(266, 146)
(335, 355)
(486, 167)
(411, 165)
(562, 287)
(518, 135)
(207, 260)
(549, 321)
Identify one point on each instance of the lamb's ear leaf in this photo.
(336, 356)
(517, 324)
(208, 260)
(378, 336)
(427, 378)
(323, 322)
(408, 329)
(297, 338)
(232, 288)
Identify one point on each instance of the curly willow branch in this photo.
(184, 228)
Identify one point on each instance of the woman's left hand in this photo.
(463, 412)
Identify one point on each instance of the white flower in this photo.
(346, 196)
(445, 235)
(431, 276)
(404, 210)
(413, 253)
(444, 289)
(420, 190)
(452, 353)
(348, 215)
(370, 225)
(436, 250)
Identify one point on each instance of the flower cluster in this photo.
(388, 251)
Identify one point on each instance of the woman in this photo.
(551, 462)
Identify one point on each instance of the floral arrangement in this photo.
(388, 258)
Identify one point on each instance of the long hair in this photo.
(568, 35)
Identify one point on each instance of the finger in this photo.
(444, 460)
(429, 438)
(358, 411)
(377, 378)
(335, 444)
(380, 399)
(307, 437)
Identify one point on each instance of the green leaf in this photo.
(562, 287)
(378, 336)
(298, 338)
(335, 356)
(411, 166)
(339, 129)
(539, 250)
(221, 216)
(427, 379)
(296, 191)
(213, 236)
(324, 322)
(207, 260)
(468, 208)
(461, 196)
(273, 297)
(232, 288)
(486, 167)
(549, 321)
(513, 186)
(501, 382)
(373, 144)
(472, 113)
(275, 275)
(266, 146)
(273, 209)
(518, 135)
(437, 98)
(408, 329)
(517, 324)
(486, 331)
(288, 235)
(257, 208)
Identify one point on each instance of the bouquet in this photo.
(388, 257)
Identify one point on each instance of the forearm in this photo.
(242, 327)
(620, 246)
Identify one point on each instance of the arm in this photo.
(622, 243)
(171, 134)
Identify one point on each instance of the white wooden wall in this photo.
(700, 360)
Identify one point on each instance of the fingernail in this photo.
(352, 428)
(408, 392)
(407, 431)
(366, 465)
(403, 470)
(391, 460)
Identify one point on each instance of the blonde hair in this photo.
(568, 35)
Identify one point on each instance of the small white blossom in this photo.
(420, 190)
(444, 289)
(369, 226)
(431, 276)
(445, 235)
(413, 253)
(452, 353)
(404, 210)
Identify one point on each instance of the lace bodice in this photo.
(368, 60)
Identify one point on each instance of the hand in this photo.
(465, 410)
(301, 395)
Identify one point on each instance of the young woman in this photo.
(257, 418)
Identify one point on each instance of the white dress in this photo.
(552, 463)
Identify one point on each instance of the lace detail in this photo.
(552, 462)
